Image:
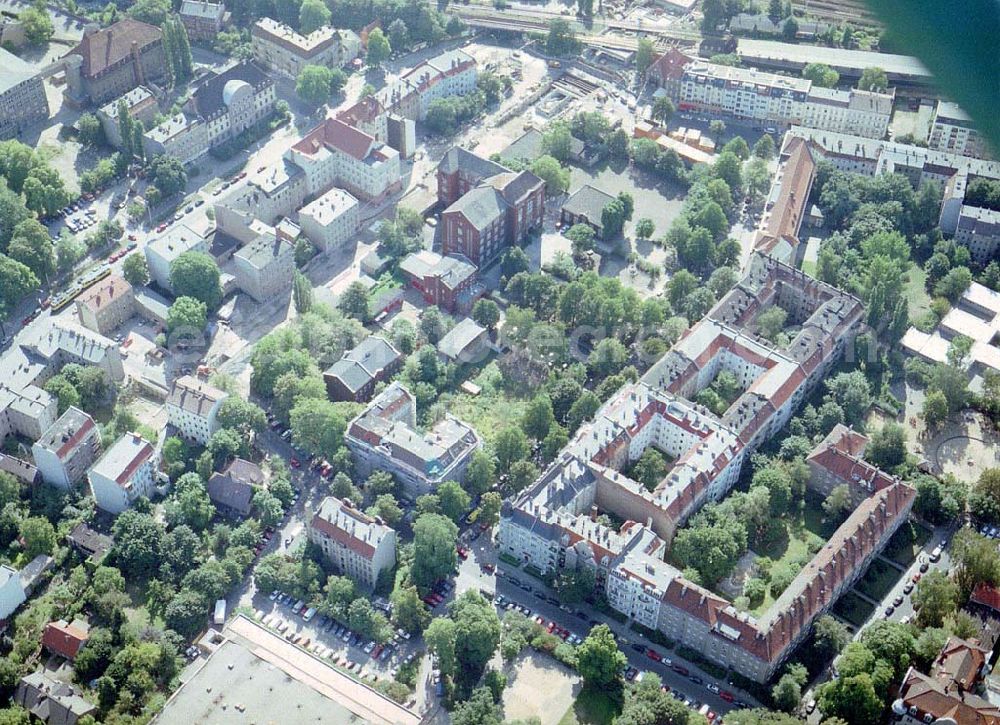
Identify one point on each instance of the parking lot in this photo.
(334, 641)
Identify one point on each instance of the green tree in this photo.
(650, 469)
(663, 109)
(838, 503)
(510, 445)
(317, 426)
(480, 473)
(480, 709)
(599, 660)
(135, 270)
(186, 613)
(873, 79)
(764, 148)
(787, 693)
(434, 555)
(39, 536)
(538, 417)
(65, 394)
(379, 49)
(521, 475)
(441, 639)
(138, 541)
(821, 75)
(490, 508)
(354, 302)
(935, 598)
(853, 699)
(935, 409)
(168, 175)
(30, 245)
(975, 560)
(644, 228)
(851, 392)
(582, 237)
(187, 314)
(313, 15)
(554, 174)
(887, 446)
(477, 632)
(302, 293)
(195, 274)
(644, 55)
(831, 636)
(37, 22)
(408, 611)
(453, 500)
(561, 39)
(486, 313)
(313, 82)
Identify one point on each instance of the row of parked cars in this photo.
(340, 631)
(438, 594)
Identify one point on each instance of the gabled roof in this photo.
(211, 95)
(336, 135)
(589, 202)
(226, 490)
(987, 596)
(64, 639)
(480, 206)
(107, 47)
(670, 64)
(458, 159)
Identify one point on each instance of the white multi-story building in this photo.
(265, 266)
(65, 342)
(359, 546)
(182, 136)
(67, 449)
(281, 49)
(11, 591)
(453, 73)
(330, 221)
(162, 251)
(384, 437)
(230, 102)
(141, 106)
(782, 100)
(952, 130)
(124, 473)
(334, 153)
(192, 408)
(249, 210)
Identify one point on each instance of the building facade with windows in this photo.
(22, 95)
(193, 407)
(281, 49)
(67, 449)
(331, 220)
(359, 546)
(952, 130)
(203, 20)
(124, 473)
(107, 305)
(109, 62)
(264, 267)
(384, 437)
(141, 106)
(782, 100)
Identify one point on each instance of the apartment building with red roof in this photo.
(67, 449)
(358, 545)
(65, 639)
(552, 523)
(124, 473)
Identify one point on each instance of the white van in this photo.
(310, 613)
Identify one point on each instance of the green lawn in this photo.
(494, 409)
(591, 708)
(853, 609)
(907, 542)
(916, 295)
(802, 535)
(878, 580)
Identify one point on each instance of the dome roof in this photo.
(233, 89)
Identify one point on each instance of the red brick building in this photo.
(448, 282)
(492, 216)
(460, 171)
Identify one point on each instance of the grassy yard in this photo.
(591, 708)
(494, 409)
(878, 580)
(906, 543)
(853, 609)
(916, 295)
(803, 535)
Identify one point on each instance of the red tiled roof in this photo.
(74, 440)
(670, 64)
(141, 456)
(336, 135)
(840, 454)
(343, 537)
(987, 595)
(106, 47)
(788, 210)
(930, 697)
(101, 295)
(960, 661)
(64, 639)
(364, 111)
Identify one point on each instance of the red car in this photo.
(161, 227)
(295, 462)
(654, 655)
(488, 568)
(463, 553)
(726, 695)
